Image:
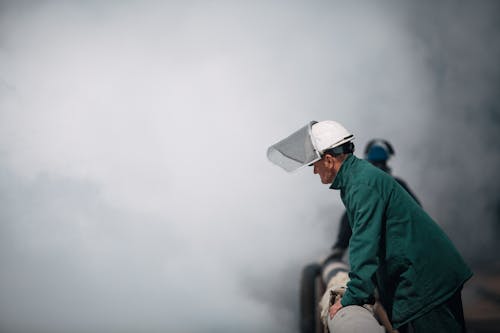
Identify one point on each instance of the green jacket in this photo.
(395, 247)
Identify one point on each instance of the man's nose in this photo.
(314, 170)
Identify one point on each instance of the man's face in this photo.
(325, 168)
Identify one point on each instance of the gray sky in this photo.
(135, 191)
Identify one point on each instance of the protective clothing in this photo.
(329, 134)
(305, 146)
(395, 246)
(345, 232)
(295, 151)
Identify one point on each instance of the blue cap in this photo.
(377, 154)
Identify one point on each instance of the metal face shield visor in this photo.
(295, 151)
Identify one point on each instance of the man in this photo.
(396, 250)
(377, 152)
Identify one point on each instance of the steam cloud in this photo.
(135, 192)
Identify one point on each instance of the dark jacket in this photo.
(345, 231)
(395, 246)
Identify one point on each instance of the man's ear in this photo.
(332, 162)
(329, 161)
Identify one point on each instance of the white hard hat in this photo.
(306, 145)
(329, 134)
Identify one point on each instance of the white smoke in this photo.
(136, 196)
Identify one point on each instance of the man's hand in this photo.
(335, 308)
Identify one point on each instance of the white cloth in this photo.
(337, 286)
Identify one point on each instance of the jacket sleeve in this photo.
(366, 208)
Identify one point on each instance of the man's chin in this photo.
(327, 181)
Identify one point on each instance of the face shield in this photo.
(295, 151)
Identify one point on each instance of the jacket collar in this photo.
(340, 179)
